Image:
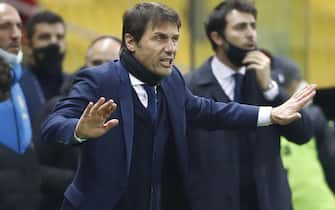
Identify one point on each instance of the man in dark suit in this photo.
(239, 169)
(126, 150)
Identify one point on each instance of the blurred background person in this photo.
(44, 75)
(42, 80)
(102, 49)
(317, 158)
(19, 170)
(239, 169)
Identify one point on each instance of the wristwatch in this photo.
(270, 85)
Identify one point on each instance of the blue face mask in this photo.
(11, 58)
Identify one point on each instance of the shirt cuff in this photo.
(78, 139)
(272, 92)
(264, 116)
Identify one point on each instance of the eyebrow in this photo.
(165, 34)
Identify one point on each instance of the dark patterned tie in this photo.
(152, 105)
(238, 87)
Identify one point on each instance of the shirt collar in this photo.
(222, 71)
(134, 81)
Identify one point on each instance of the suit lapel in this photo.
(206, 78)
(172, 100)
(217, 93)
(127, 111)
(174, 95)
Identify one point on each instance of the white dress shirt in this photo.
(224, 76)
(264, 116)
(139, 89)
(141, 94)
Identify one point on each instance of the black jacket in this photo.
(20, 180)
(214, 175)
(325, 142)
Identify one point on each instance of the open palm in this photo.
(92, 123)
(289, 111)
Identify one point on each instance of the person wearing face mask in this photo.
(44, 75)
(20, 178)
(239, 169)
(42, 80)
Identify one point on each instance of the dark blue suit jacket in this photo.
(214, 173)
(104, 164)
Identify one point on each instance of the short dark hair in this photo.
(41, 17)
(136, 19)
(114, 38)
(216, 21)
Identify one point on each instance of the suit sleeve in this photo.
(206, 113)
(60, 125)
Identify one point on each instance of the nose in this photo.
(171, 46)
(16, 33)
(251, 33)
(53, 39)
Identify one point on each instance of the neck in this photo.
(220, 54)
(137, 69)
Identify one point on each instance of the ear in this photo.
(217, 38)
(130, 42)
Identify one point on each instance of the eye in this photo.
(44, 36)
(60, 36)
(253, 25)
(5, 26)
(97, 62)
(240, 26)
(175, 39)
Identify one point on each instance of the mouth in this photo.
(250, 46)
(14, 47)
(166, 62)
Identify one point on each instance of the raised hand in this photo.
(260, 63)
(92, 123)
(288, 111)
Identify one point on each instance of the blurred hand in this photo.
(289, 111)
(92, 123)
(261, 64)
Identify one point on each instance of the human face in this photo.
(46, 34)
(241, 29)
(157, 48)
(10, 29)
(102, 51)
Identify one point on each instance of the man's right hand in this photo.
(92, 123)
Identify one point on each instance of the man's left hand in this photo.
(289, 111)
